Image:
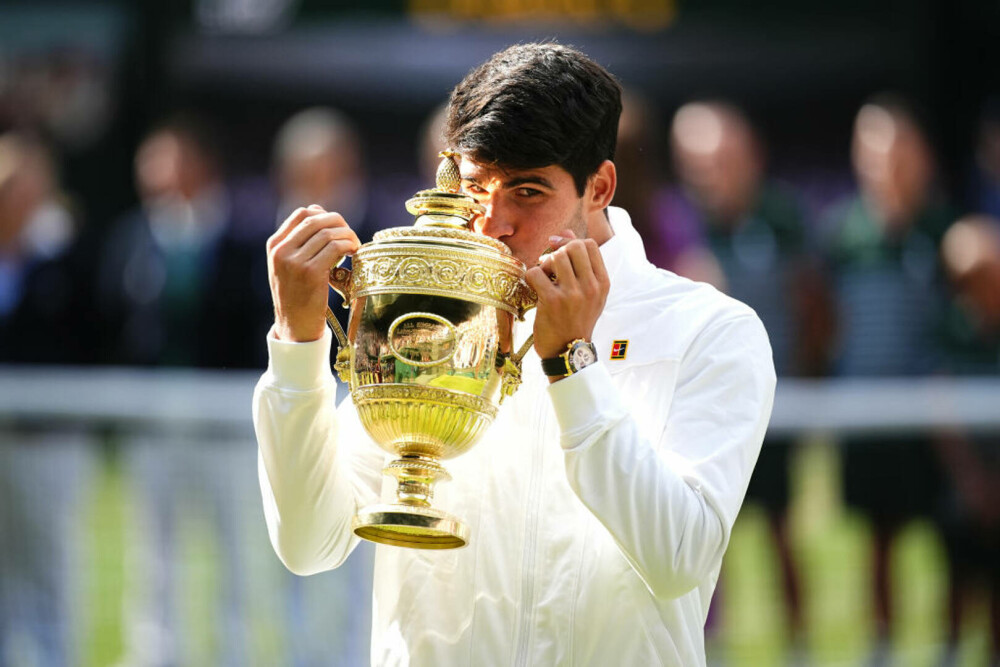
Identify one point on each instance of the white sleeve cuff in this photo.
(299, 366)
(583, 403)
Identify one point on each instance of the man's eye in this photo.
(473, 189)
(528, 192)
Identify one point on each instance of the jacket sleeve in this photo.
(670, 504)
(315, 463)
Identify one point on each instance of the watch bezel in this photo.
(565, 360)
(573, 347)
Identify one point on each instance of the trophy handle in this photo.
(526, 299)
(340, 281)
(512, 368)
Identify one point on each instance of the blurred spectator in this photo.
(752, 247)
(45, 312)
(970, 518)
(318, 159)
(183, 277)
(883, 250)
(65, 91)
(752, 228)
(183, 282)
(971, 258)
(43, 472)
(986, 173)
(663, 216)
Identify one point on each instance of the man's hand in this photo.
(299, 258)
(572, 286)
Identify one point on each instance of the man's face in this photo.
(524, 207)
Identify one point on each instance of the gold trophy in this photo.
(428, 353)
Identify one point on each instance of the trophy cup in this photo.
(428, 353)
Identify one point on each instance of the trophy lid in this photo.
(443, 214)
(439, 255)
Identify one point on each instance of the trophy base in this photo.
(410, 526)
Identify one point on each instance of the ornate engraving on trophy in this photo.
(422, 339)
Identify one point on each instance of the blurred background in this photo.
(836, 166)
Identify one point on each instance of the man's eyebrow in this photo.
(530, 179)
(517, 181)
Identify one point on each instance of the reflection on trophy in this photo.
(428, 353)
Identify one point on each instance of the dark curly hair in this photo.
(534, 105)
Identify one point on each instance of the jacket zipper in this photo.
(527, 611)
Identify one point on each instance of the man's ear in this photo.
(601, 186)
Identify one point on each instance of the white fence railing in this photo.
(195, 400)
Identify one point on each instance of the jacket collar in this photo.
(624, 255)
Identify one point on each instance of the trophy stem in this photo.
(416, 477)
(412, 522)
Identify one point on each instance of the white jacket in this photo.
(599, 507)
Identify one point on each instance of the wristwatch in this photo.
(578, 355)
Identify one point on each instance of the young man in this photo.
(599, 503)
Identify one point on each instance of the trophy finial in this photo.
(448, 177)
(446, 205)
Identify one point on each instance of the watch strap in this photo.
(556, 366)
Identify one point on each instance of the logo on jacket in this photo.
(618, 349)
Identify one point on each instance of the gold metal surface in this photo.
(445, 270)
(417, 420)
(448, 177)
(415, 527)
(462, 237)
(443, 209)
(430, 352)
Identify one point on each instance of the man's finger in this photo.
(562, 267)
(597, 262)
(323, 237)
(539, 281)
(331, 253)
(548, 266)
(306, 229)
(292, 221)
(580, 260)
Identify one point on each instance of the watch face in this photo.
(582, 355)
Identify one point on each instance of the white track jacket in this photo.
(599, 507)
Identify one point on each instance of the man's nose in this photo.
(495, 222)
